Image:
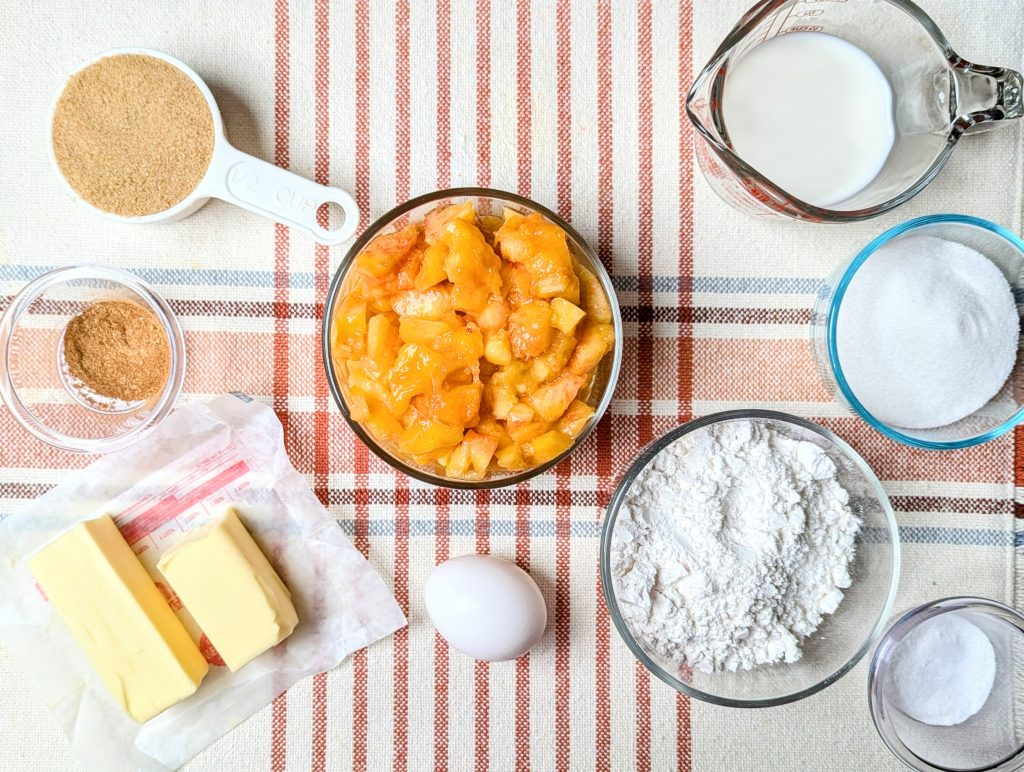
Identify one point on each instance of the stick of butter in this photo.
(119, 618)
(230, 589)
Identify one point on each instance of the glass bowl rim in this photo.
(629, 477)
(912, 618)
(374, 229)
(833, 317)
(153, 300)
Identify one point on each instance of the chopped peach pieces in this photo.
(497, 348)
(432, 267)
(542, 247)
(468, 343)
(553, 399)
(435, 303)
(385, 253)
(547, 446)
(425, 331)
(595, 342)
(565, 315)
(529, 329)
(481, 450)
(382, 340)
(594, 299)
(426, 436)
(349, 331)
(576, 418)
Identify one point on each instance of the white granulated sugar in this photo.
(731, 545)
(927, 332)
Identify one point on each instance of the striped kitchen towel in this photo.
(580, 106)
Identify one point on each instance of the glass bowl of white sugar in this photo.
(919, 334)
(749, 558)
(946, 686)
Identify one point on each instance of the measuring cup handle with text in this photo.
(279, 194)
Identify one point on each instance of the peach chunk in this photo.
(417, 370)
(576, 418)
(493, 428)
(384, 254)
(458, 464)
(423, 331)
(434, 303)
(515, 284)
(519, 416)
(528, 431)
(427, 436)
(349, 329)
(432, 267)
(565, 316)
(457, 406)
(383, 425)
(493, 317)
(497, 349)
(460, 348)
(559, 352)
(542, 247)
(596, 341)
(405, 276)
(501, 398)
(381, 340)
(437, 221)
(358, 407)
(471, 266)
(510, 458)
(551, 399)
(594, 299)
(549, 445)
(529, 329)
(481, 450)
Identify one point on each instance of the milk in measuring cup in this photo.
(812, 113)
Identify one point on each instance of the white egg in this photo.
(486, 607)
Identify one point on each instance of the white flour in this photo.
(731, 546)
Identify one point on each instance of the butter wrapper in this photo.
(201, 460)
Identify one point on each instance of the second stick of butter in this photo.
(231, 590)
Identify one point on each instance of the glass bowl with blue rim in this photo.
(996, 417)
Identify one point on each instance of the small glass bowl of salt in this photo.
(919, 334)
(946, 686)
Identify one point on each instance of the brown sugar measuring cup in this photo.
(233, 176)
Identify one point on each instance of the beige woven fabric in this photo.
(576, 105)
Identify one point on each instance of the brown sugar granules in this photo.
(132, 134)
(118, 349)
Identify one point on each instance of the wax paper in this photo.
(202, 459)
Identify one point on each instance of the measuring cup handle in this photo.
(279, 194)
(985, 96)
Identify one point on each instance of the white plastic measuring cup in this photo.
(238, 178)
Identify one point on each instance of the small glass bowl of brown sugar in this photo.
(93, 359)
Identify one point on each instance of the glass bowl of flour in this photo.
(749, 558)
(919, 334)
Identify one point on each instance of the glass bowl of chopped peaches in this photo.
(472, 338)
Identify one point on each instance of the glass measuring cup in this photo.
(236, 177)
(937, 98)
